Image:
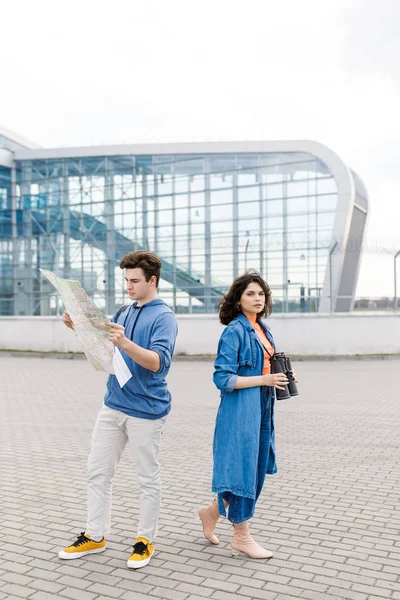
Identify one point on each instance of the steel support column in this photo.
(14, 237)
(110, 258)
(285, 248)
(207, 236)
(235, 216)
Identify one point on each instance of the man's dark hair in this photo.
(228, 307)
(145, 260)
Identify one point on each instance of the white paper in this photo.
(89, 322)
(122, 373)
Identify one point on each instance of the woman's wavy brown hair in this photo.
(228, 307)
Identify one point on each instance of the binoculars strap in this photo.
(266, 349)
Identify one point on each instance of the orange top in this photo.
(265, 342)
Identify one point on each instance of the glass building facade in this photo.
(208, 215)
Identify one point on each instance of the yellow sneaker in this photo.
(83, 545)
(141, 555)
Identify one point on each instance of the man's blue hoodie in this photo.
(153, 327)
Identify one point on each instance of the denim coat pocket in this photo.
(247, 355)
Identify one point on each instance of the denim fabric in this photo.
(242, 508)
(244, 439)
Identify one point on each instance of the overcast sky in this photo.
(82, 73)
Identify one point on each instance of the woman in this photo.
(244, 438)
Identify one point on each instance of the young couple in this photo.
(135, 415)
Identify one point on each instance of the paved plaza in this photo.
(331, 515)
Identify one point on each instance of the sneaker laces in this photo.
(82, 539)
(139, 548)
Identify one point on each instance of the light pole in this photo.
(395, 282)
(302, 288)
(245, 254)
(330, 275)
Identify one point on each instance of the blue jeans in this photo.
(241, 508)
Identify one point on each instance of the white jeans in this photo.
(112, 432)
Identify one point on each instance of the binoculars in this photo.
(281, 364)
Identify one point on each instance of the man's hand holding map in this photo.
(91, 326)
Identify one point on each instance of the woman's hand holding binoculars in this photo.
(276, 380)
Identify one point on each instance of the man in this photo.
(134, 415)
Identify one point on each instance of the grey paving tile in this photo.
(330, 515)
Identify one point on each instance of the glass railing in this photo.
(50, 304)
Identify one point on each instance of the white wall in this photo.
(317, 334)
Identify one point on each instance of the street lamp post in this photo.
(395, 282)
(245, 254)
(330, 275)
(302, 289)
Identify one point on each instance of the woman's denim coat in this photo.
(237, 428)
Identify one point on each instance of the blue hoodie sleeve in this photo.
(226, 364)
(162, 339)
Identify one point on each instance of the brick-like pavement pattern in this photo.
(331, 515)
